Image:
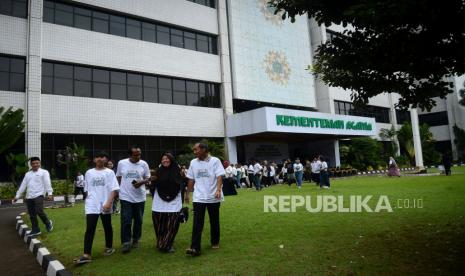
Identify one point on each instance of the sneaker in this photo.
(192, 252)
(126, 248)
(108, 251)
(50, 226)
(82, 260)
(33, 234)
(215, 246)
(171, 250)
(135, 244)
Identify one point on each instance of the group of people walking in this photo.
(259, 174)
(101, 186)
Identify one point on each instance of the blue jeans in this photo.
(129, 212)
(298, 176)
(324, 179)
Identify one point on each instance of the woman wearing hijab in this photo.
(393, 169)
(166, 202)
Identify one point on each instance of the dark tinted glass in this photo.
(100, 22)
(117, 25)
(163, 35)
(148, 32)
(133, 28)
(63, 14)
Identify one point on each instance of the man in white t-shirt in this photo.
(36, 183)
(298, 171)
(100, 186)
(132, 196)
(316, 164)
(205, 179)
(257, 172)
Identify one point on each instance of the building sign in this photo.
(283, 120)
(280, 120)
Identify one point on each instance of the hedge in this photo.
(8, 191)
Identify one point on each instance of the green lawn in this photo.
(408, 241)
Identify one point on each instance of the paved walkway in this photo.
(15, 258)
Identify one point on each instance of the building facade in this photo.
(162, 74)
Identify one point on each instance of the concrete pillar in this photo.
(337, 156)
(393, 119)
(416, 139)
(33, 78)
(226, 79)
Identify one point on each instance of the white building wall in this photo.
(13, 35)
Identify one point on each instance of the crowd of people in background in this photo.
(261, 174)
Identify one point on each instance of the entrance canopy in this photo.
(279, 120)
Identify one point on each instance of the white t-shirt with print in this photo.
(159, 205)
(99, 184)
(298, 167)
(132, 171)
(205, 173)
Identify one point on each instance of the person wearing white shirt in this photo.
(101, 186)
(298, 171)
(205, 179)
(131, 173)
(324, 175)
(257, 172)
(79, 186)
(167, 202)
(250, 175)
(316, 164)
(36, 184)
(273, 173)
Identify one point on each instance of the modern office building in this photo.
(161, 74)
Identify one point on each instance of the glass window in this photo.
(4, 81)
(63, 14)
(49, 11)
(118, 85)
(100, 22)
(62, 86)
(6, 7)
(16, 82)
(19, 8)
(203, 95)
(202, 43)
(165, 91)
(135, 87)
(148, 32)
(63, 71)
(4, 64)
(177, 38)
(179, 92)
(101, 75)
(17, 65)
(150, 89)
(47, 78)
(82, 73)
(192, 97)
(82, 88)
(133, 28)
(101, 90)
(82, 18)
(117, 25)
(163, 35)
(189, 41)
(212, 45)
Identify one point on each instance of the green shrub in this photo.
(8, 191)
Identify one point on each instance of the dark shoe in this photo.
(126, 248)
(192, 252)
(50, 226)
(82, 260)
(33, 234)
(135, 244)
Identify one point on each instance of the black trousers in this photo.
(78, 190)
(91, 225)
(166, 226)
(199, 218)
(35, 207)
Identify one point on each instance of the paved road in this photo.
(15, 257)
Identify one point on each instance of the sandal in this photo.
(82, 260)
(108, 251)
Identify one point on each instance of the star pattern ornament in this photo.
(269, 14)
(277, 67)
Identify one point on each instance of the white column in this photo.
(416, 139)
(393, 118)
(33, 78)
(337, 156)
(227, 93)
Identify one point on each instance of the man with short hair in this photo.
(132, 197)
(205, 179)
(298, 171)
(257, 172)
(36, 183)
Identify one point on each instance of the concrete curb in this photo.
(50, 265)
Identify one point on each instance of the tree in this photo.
(430, 155)
(18, 165)
(362, 153)
(459, 141)
(409, 47)
(462, 95)
(389, 135)
(11, 127)
(216, 149)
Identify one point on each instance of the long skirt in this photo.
(393, 171)
(166, 226)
